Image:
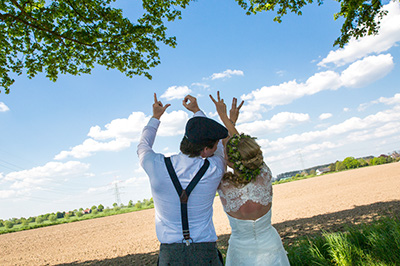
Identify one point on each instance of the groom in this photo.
(183, 187)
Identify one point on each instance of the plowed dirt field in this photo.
(302, 207)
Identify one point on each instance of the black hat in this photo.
(201, 129)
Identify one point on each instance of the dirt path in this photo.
(299, 208)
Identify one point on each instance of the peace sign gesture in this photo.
(220, 106)
(158, 108)
(234, 112)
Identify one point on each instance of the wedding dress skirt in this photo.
(255, 242)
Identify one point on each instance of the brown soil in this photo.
(299, 208)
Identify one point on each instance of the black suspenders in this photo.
(184, 193)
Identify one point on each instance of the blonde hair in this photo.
(251, 153)
(251, 158)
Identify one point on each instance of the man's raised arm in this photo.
(150, 130)
(190, 103)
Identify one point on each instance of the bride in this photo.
(246, 195)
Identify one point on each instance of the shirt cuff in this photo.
(153, 122)
(199, 113)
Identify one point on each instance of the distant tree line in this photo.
(347, 163)
(15, 224)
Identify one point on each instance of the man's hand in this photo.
(190, 103)
(158, 108)
(234, 112)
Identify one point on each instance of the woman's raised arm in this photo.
(234, 113)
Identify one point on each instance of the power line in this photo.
(116, 193)
(10, 166)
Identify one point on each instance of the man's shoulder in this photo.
(217, 159)
(153, 158)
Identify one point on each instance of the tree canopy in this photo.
(66, 36)
(361, 17)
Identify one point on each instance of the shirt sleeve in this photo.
(145, 146)
(199, 113)
(220, 150)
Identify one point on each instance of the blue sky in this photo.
(71, 143)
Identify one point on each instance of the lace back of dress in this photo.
(258, 190)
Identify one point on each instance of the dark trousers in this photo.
(195, 254)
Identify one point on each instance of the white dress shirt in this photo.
(166, 199)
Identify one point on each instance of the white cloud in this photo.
(280, 73)
(201, 85)
(173, 124)
(394, 100)
(122, 183)
(176, 92)
(99, 189)
(91, 146)
(251, 112)
(3, 107)
(121, 132)
(213, 115)
(363, 106)
(139, 170)
(387, 101)
(355, 129)
(287, 92)
(367, 70)
(137, 180)
(277, 123)
(4, 194)
(358, 74)
(126, 128)
(325, 116)
(32, 178)
(314, 148)
(227, 74)
(389, 35)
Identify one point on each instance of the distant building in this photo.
(287, 175)
(320, 171)
(395, 155)
(87, 211)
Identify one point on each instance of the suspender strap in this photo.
(185, 193)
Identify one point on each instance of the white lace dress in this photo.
(252, 242)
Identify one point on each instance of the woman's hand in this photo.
(221, 110)
(234, 112)
(220, 106)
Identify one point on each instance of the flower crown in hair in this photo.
(235, 157)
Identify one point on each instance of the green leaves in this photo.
(361, 16)
(235, 158)
(282, 6)
(70, 37)
(361, 19)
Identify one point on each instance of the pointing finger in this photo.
(240, 106)
(212, 98)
